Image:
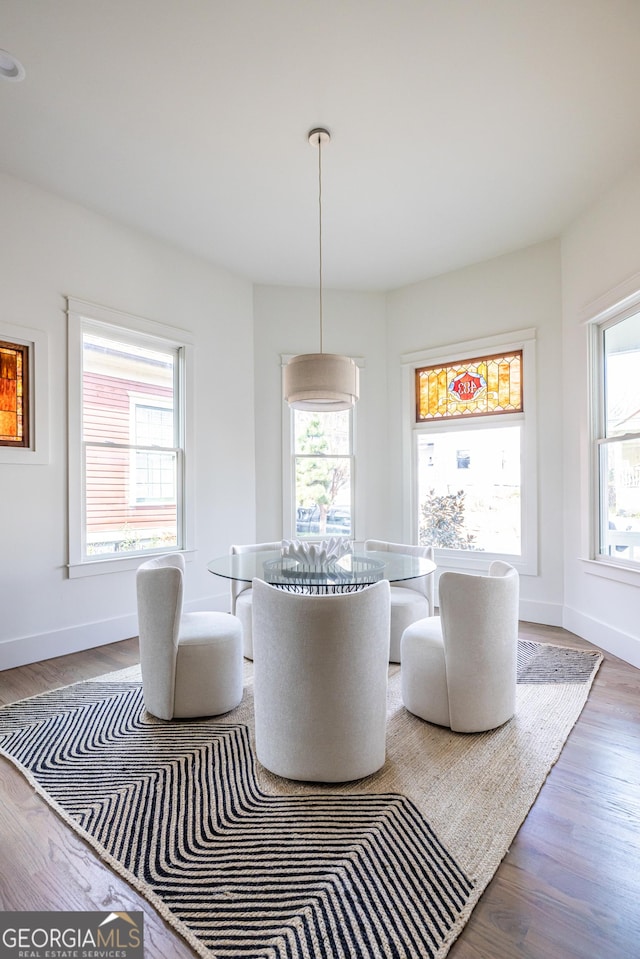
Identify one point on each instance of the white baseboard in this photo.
(546, 614)
(61, 642)
(622, 645)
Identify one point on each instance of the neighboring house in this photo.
(131, 492)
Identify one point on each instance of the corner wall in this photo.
(517, 291)
(600, 259)
(51, 249)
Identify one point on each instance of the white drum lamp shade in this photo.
(321, 381)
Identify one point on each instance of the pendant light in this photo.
(321, 381)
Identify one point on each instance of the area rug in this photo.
(246, 865)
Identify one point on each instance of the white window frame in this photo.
(289, 472)
(471, 560)
(80, 315)
(626, 303)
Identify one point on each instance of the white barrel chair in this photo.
(459, 668)
(242, 595)
(411, 600)
(320, 681)
(191, 662)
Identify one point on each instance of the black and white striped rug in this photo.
(249, 866)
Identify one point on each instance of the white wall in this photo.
(50, 249)
(286, 322)
(600, 262)
(518, 291)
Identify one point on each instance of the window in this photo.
(127, 430)
(474, 387)
(14, 394)
(152, 471)
(322, 473)
(470, 499)
(472, 452)
(617, 438)
(25, 404)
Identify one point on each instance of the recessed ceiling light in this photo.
(10, 68)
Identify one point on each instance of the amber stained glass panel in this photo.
(14, 394)
(478, 387)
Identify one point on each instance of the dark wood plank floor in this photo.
(569, 887)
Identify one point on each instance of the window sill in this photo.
(471, 561)
(613, 571)
(103, 566)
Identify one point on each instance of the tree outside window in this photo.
(323, 473)
(470, 501)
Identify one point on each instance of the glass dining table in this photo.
(351, 571)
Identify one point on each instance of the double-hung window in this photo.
(472, 451)
(616, 396)
(127, 438)
(323, 473)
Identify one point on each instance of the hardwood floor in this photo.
(569, 887)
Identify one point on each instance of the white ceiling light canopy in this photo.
(10, 67)
(321, 381)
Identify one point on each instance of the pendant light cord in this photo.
(320, 227)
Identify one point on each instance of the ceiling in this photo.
(460, 129)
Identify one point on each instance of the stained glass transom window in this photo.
(478, 387)
(14, 395)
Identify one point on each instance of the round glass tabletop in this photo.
(350, 571)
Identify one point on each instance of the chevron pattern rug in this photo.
(250, 866)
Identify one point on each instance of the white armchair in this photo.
(242, 595)
(191, 662)
(320, 682)
(459, 668)
(410, 601)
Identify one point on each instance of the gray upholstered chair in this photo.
(411, 600)
(242, 595)
(191, 662)
(459, 668)
(320, 682)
